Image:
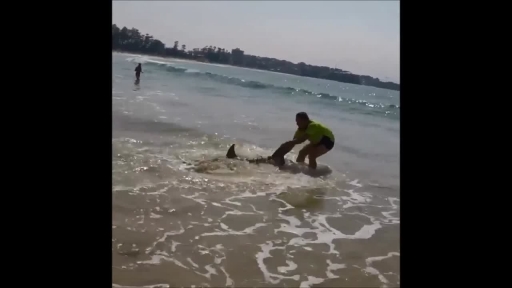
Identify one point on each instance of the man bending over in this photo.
(321, 140)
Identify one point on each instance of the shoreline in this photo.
(228, 65)
(237, 66)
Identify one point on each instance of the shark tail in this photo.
(231, 152)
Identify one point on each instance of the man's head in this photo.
(302, 120)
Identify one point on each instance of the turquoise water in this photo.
(182, 112)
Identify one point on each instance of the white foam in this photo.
(373, 271)
(324, 232)
(192, 262)
(202, 224)
(173, 245)
(392, 200)
(229, 281)
(193, 198)
(391, 219)
(210, 270)
(218, 260)
(355, 183)
(370, 260)
(265, 253)
(248, 230)
(157, 259)
(291, 219)
(311, 281)
(164, 237)
(242, 196)
(287, 206)
(333, 267)
(356, 197)
(291, 266)
(235, 212)
(257, 211)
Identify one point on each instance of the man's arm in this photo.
(299, 139)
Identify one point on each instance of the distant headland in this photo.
(131, 40)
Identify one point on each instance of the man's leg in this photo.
(316, 152)
(304, 152)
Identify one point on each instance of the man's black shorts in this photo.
(326, 142)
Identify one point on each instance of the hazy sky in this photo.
(359, 36)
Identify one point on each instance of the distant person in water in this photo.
(321, 140)
(138, 70)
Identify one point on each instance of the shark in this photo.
(276, 159)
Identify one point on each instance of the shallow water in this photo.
(231, 223)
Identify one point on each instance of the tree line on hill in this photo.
(133, 41)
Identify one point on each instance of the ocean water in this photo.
(183, 215)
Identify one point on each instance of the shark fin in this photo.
(231, 152)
